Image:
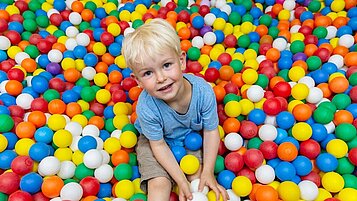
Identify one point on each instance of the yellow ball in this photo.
(141, 8)
(103, 96)
(62, 138)
(114, 29)
(292, 104)
(337, 148)
(79, 64)
(215, 52)
(189, 164)
(120, 121)
(221, 131)
(332, 182)
(302, 131)
(249, 76)
(259, 105)
(51, 29)
(250, 54)
(100, 79)
(124, 189)
(246, 27)
(274, 184)
(228, 29)
(23, 146)
(334, 75)
(323, 195)
(334, 42)
(136, 16)
(120, 61)
(338, 5)
(288, 191)
(46, 6)
(124, 15)
(120, 108)
(204, 59)
(77, 157)
(84, 105)
(62, 40)
(109, 7)
(13, 51)
(219, 23)
(347, 194)
(12, 9)
(247, 106)
(232, 109)
(137, 188)
(3, 143)
(297, 36)
(111, 145)
(81, 119)
(300, 91)
(99, 48)
(251, 63)
(296, 73)
(242, 186)
(68, 63)
(284, 15)
(238, 56)
(56, 122)
(128, 139)
(211, 195)
(63, 154)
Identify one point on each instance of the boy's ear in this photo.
(132, 75)
(183, 60)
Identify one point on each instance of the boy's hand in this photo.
(209, 180)
(184, 191)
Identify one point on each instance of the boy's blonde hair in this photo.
(157, 36)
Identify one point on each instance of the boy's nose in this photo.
(161, 77)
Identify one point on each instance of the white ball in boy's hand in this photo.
(232, 195)
(198, 196)
(194, 187)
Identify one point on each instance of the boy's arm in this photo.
(165, 157)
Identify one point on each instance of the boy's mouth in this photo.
(165, 87)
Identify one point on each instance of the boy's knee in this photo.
(159, 183)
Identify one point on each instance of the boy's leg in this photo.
(159, 189)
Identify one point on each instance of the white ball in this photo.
(164, 2)
(308, 81)
(265, 174)
(232, 195)
(315, 95)
(128, 30)
(100, 143)
(26, 116)
(198, 196)
(268, 9)
(56, 199)
(233, 141)
(49, 166)
(69, 3)
(337, 60)
(28, 80)
(289, 5)
(227, 9)
(2, 86)
(330, 127)
(194, 187)
(19, 57)
(82, 39)
(67, 170)
(261, 58)
(74, 144)
(295, 29)
(72, 31)
(267, 132)
(104, 173)
(74, 127)
(269, 119)
(5, 43)
(71, 191)
(52, 11)
(255, 93)
(24, 101)
(71, 43)
(292, 15)
(88, 73)
(209, 19)
(119, 199)
(75, 18)
(308, 190)
(55, 56)
(92, 159)
(91, 130)
(105, 156)
(116, 133)
(197, 41)
(346, 40)
(331, 32)
(280, 44)
(209, 38)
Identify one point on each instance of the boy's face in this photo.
(162, 76)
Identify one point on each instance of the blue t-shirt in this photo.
(157, 120)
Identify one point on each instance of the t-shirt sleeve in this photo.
(209, 107)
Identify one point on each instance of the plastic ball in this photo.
(332, 182)
(194, 186)
(92, 158)
(31, 182)
(255, 93)
(124, 189)
(234, 162)
(265, 174)
(104, 173)
(347, 194)
(189, 164)
(233, 141)
(52, 186)
(49, 166)
(87, 143)
(288, 190)
(67, 169)
(267, 132)
(253, 158)
(326, 162)
(71, 191)
(179, 152)
(303, 165)
(242, 186)
(198, 196)
(193, 141)
(62, 138)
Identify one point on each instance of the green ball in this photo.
(82, 171)
(51, 94)
(84, 25)
(113, 1)
(247, 18)
(241, 117)
(345, 132)
(255, 47)
(183, 3)
(90, 5)
(95, 88)
(219, 165)
(297, 46)
(30, 25)
(313, 63)
(8, 2)
(83, 82)
(58, 33)
(352, 79)
(344, 166)
(314, 6)
(32, 50)
(130, 127)
(114, 13)
(88, 114)
(133, 159)
(123, 171)
(66, 181)
(193, 53)
(3, 197)
(254, 143)
(237, 65)
(42, 21)
(284, 74)
(34, 5)
(265, 19)
(273, 32)
(194, 9)
(87, 94)
(350, 181)
(243, 41)
(247, 4)
(341, 101)
(137, 23)
(352, 144)
(234, 18)
(323, 115)
(29, 15)
(6, 123)
(262, 81)
(328, 105)
(109, 125)
(26, 35)
(138, 196)
(320, 32)
(231, 97)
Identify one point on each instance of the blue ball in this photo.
(193, 141)
(95, 23)
(31, 183)
(126, 72)
(326, 162)
(256, 12)
(320, 76)
(325, 10)
(285, 63)
(43, 60)
(87, 143)
(6, 157)
(97, 33)
(59, 5)
(274, 162)
(39, 151)
(77, 89)
(254, 37)
(281, 135)
(16, 26)
(257, 116)
(223, 15)
(68, 54)
(104, 134)
(114, 49)
(329, 67)
(129, 6)
(225, 178)
(100, 13)
(3, 55)
(46, 75)
(215, 64)
(70, 96)
(285, 171)
(90, 59)
(3, 76)
(285, 120)
(29, 90)
(296, 179)
(292, 140)
(327, 139)
(353, 109)
(344, 30)
(286, 53)
(240, 9)
(113, 67)
(43, 134)
(11, 140)
(319, 132)
(215, 11)
(108, 112)
(198, 22)
(136, 173)
(39, 84)
(44, 33)
(4, 110)
(79, 51)
(303, 165)
(105, 190)
(7, 99)
(219, 36)
(352, 12)
(306, 15)
(179, 152)
(64, 25)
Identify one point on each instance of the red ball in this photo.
(97, 108)
(171, 5)
(35, 39)
(89, 33)
(230, 41)
(332, 199)
(282, 89)
(224, 59)
(283, 103)
(22, 165)
(16, 120)
(194, 32)
(352, 156)
(204, 10)
(163, 11)
(20, 196)
(353, 94)
(115, 87)
(16, 111)
(56, 19)
(264, 48)
(106, 38)
(272, 106)
(65, 14)
(194, 66)
(314, 177)
(310, 148)
(16, 18)
(248, 129)
(51, 38)
(39, 104)
(269, 149)
(323, 54)
(128, 83)
(173, 197)
(222, 149)
(306, 30)
(123, 25)
(147, 16)
(222, 117)
(57, 84)
(22, 6)
(119, 96)
(9, 182)
(268, 94)
(3, 25)
(248, 173)
(234, 162)
(44, 46)
(90, 186)
(266, 63)
(298, 11)
(15, 74)
(40, 197)
(311, 39)
(103, 23)
(13, 36)
(350, 71)
(183, 16)
(211, 74)
(268, 71)
(232, 88)
(253, 158)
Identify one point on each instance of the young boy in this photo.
(171, 105)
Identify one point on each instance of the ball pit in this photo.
(284, 73)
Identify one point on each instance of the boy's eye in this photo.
(147, 73)
(166, 65)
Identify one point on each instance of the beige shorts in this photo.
(149, 168)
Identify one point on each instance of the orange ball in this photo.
(71, 75)
(220, 93)
(87, 15)
(89, 198)
(231, 124)
(51, 186)
(115, 77)
(185, 45)
(265, 193)
(72, 109)
(325, 90)
(13, 87)
(339, 84)
(238, 79)
(351, 59)
(273, 54)
(134, 93)
(77, 6)
(184, 33)
(56, 106)
(97, 121)
(119, 157)
(302, 112)
(254, 190)
(25, 129)
(108, 58)
(287, 151)
(342, 116)
(262, 30)
(226, 72)
(38, 118)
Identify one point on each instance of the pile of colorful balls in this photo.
(284, 73)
